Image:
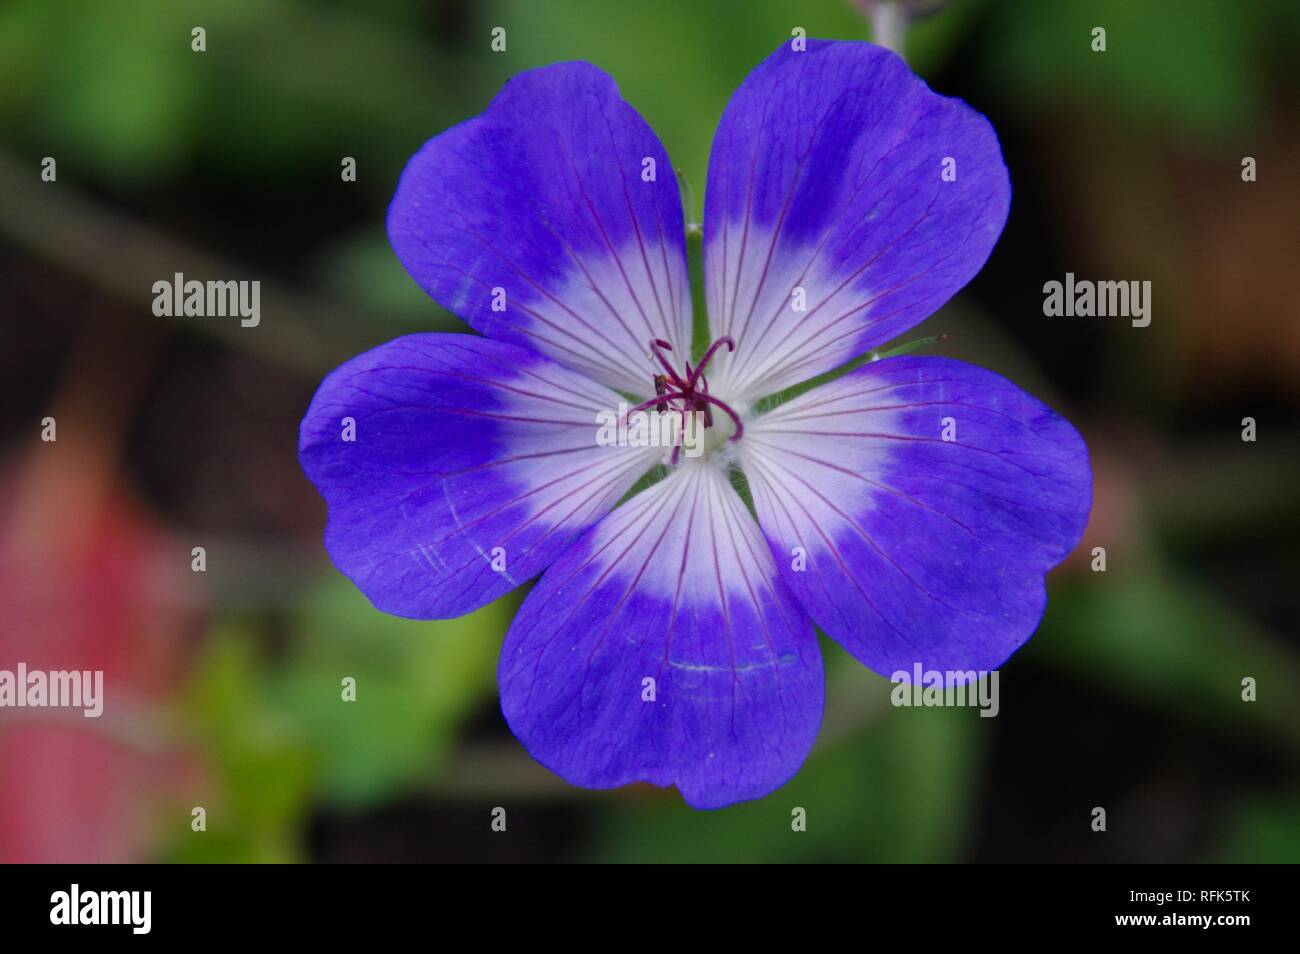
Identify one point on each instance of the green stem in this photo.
(700, 338)
(693, 226)
(888, 23)
(906, 347)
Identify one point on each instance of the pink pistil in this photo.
(690, 390)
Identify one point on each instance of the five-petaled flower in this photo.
(837, 179)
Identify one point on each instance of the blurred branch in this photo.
(56, 222)
(888, 24)
(496, 770)
(140, 726)
(249, 574)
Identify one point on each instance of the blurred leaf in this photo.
(116, 88)
(1173, 643)
(1262, 830)
(1190, 63)
(364, 269)
(416, 682)
(279, 734)
(262, 774)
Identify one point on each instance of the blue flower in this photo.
(910, 508)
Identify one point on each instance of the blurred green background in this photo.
(224, 685)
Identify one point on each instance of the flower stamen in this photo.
(688, 392)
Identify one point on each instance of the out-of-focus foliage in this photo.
(416, 683)
(1198, 69)
(281, 738)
